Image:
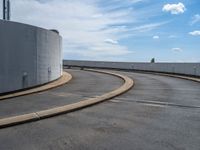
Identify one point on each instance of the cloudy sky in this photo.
(119, 30)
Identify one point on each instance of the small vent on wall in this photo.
(25, 80)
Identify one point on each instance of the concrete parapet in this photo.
(191, 69)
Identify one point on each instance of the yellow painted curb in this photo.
(128, 84)
(18, 119)
(66, 77)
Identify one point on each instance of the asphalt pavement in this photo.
(84, 85)
(159, 113)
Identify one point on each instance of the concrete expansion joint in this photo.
(38, 116)
(128, 84)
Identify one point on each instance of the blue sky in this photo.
(119, 30)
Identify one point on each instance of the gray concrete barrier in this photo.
(191, 69)
(29, 56)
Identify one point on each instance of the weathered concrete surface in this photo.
(29, 56)
(121, 123)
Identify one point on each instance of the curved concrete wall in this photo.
(29, 56)
(176, 68)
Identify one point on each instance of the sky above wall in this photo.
(118, 30)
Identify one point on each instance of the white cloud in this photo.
(135, 1)
(156, 37)
(83, 25)
(177, 49)
(111, 41)
(89, 30)
(147, 27)
(195, 19)
(174, 8)
(172, 36)
(195, 33)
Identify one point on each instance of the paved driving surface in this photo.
(139, 119)
(84, 84)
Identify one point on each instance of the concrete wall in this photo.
(29, 56)
(177, 68)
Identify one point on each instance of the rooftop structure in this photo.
(6, 9)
